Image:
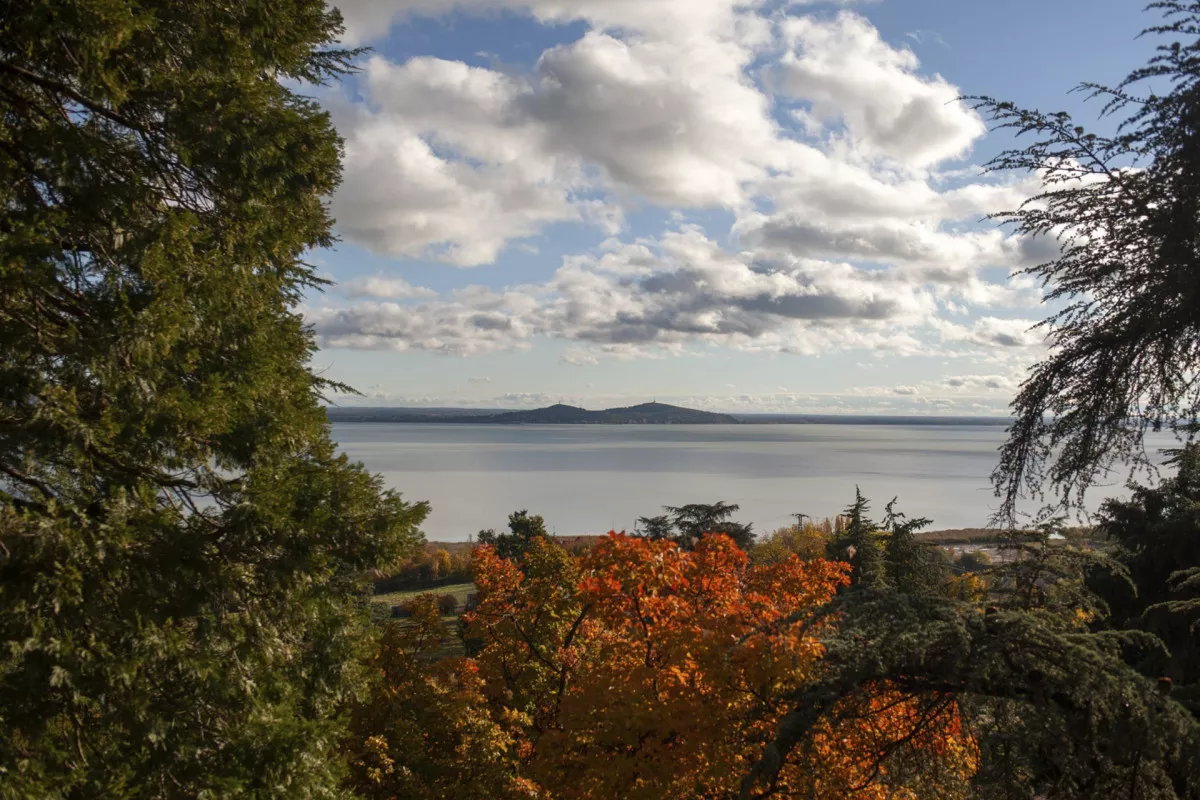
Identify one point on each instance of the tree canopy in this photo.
(523, 528)
(1157, 534)
(686, 525)
(1044, 678)
(181, 549)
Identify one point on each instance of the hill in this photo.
(559, 414)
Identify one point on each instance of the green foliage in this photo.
(181, 549)
(447, 603)
(522, 530)
(974, 561)
(1157, 537)
(911, 565)
(655, 528)
(1157, 531)
(686, 525)
(1056, 711)
(1124, 210)
(860, 544)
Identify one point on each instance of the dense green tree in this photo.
(860, 544)
(1056, 711)
(659, 527)
(1041, 665)
(1124, 213)
(1044, 668)
(1043, 681)
(523, 528)
(181, 548)
(686, 525)
(1043, 684)
(911, 565)
(692, 521)
(974, 561)
(1157, 534)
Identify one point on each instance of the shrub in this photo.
(974, 560)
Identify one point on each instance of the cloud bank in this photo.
(841, 166)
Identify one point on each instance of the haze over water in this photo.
(590, 478)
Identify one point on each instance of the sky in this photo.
(737, 205)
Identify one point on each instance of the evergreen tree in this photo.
(1041, 679)
(1054, 709)
(693, 521)
(1124, 211)
(912, 565)
(522, 530)
(659, 527)
(1157, 533)
(860, 544)
(1030, 654)
(181, 548)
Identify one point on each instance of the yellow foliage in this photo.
(808, 540)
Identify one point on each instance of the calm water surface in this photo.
(590, 478)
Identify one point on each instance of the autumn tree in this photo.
(643, 670)
(1123, 212)
(640, 669)
(460, 564)
(445, 566)
(181, 547)
(806, 539)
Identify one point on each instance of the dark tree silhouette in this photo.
(523, 528)
(696, 519)
(860, 544)
(1124, 210)
(659, 527)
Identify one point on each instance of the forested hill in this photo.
(559, 414)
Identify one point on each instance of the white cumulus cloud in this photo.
(848, 74)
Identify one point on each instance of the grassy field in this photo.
(459, 590)
(961, 535)
(451, 644)
(985, 535)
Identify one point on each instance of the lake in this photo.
(592, 478)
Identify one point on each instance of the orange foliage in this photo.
(639, 670)
(895, 747)
(646, 671)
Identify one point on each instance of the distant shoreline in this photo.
(515, 417)
(954, 538)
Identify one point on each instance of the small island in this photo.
(558, 414)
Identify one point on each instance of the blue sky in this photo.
(740, 206)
